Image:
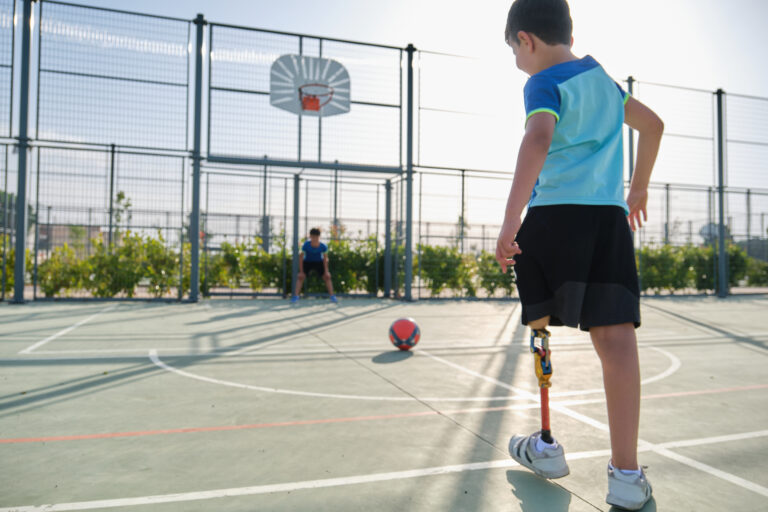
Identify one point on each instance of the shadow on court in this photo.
(537, 494)
(44, 396)
(392, 356)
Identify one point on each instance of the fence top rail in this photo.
(669, 86)
(119, 11)
(507, 174)
(97, 147)
(309, 36)
(285, 175)
(107, 148)
(748, 96)
(445, 54)
(302, 164)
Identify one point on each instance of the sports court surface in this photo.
(259, 405)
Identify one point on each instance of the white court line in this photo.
(520, 394)
(674, 366)
(156, 360)
(642, 444)
(374, 478)
(62, 332)
(519, 391)
(728, 477)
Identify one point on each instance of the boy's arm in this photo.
(325, 261)
(530, 160)
(650, 128)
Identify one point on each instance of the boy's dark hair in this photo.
(549, 20)
(314, 231)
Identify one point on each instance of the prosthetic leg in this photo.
(547, 461)
(543, 367)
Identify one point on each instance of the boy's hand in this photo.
(637, 201)
(506, 247)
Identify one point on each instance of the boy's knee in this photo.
(539, 323)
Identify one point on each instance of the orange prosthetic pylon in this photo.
(543, 368)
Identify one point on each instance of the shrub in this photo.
(161, 266)
(10, 264)
(232, 260)
(254, 261)
(491, 277)
(701, 264)
(346, 267)
(61, 271)
(446, 268)
(737, 264)
(757, 272)
(114, 270)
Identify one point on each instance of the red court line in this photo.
(112, 435)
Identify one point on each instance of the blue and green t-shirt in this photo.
(584, 162)
(313, 253)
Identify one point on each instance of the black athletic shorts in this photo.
(577, 266)
(314, 266)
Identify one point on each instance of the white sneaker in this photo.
(549, 463)
(630, 492)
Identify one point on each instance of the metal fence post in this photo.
(37, 229)
(335, 234)
(285, 235)
(21, 188)
(713, 237)
(111, 195)
(194, 216)
(410, 49)
(666, 214)
(265, 221)
(388, 238)
(295, 269)
(749, 221)
(463, 203)
(722, 288)
(6, 226)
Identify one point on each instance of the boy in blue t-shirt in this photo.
(573, 254)
(316, 260)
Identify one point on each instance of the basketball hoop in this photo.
(309, 86)
(315, 96)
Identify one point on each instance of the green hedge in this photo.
(142, 261)
(10, 262)
(670, 268)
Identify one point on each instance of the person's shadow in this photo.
(537, 494)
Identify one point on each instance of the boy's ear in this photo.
(525, 40)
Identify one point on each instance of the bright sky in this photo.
(695, 43)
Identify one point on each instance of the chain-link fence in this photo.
(7, 176)
(7, 222)
(241, 121)
(107, 77)
(248, 224)
(115, 176)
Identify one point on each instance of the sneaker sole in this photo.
(626, 505)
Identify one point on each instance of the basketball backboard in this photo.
(309, 86)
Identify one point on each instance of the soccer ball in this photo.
(404, 333)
